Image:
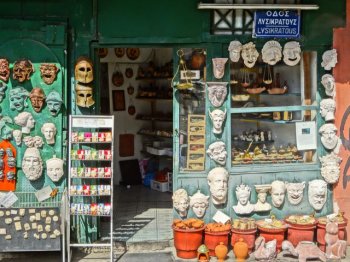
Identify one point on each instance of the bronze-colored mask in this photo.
(48, 73)
(83, 70)
(37, 98)
(4, 69)
(22, 70)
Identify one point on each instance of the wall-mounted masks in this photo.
(48, 72)
(4, 69)
(18, 98)
(54, 102)
(37, 98)
(84, 95)
(22, 70)
(83, 71)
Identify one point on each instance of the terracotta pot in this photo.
(187, 242)
(221, 251)
(248, 235)
(321, 232)
(240, 250)
(212, 239)
(297, 233)
(273, 233)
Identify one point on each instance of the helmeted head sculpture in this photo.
(54, 102)
(83, 70)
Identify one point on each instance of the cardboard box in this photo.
(159, 186)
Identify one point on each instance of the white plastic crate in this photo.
(159, 186)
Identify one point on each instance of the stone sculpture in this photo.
(181, 202)
(335, 248)
(327, 109)
(235, 49)
(265, 252)
(217, 152)
(328, 83)
(48, 72)
(49, 131)
(329, 137)
(295, 192)
(249, 54)
(317, 193)
(217, 92)
(262, 205)
(22, 70)
(18, 98)
(271, 52)
(54, 102)
(278, 192)
(218, 183)
(54, 168)
(329, 59)
(243, 206)
(330, 169)
(217, 117)
(26, 121)
(199, 204)
(219, 67)
(32, 164)
(37, 98)
(291, 53)
(305, 250)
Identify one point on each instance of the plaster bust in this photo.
(243, 206)
(32, 164)
(249, 54)
(49, 131)
(329, 137)
(262, 205)
(278, 192)
(217, 116)
(330, 169)
(291, 53)
(217, 152)
(329, 59)
(235, 49)
(317, 193)
(54, 168)
(218, 183)
(18, 98)
(54, 102)
(217, 92)
(181, 202)
(295, 192)
(26, 121)
(17, 135)
(327, 109)
(37, 98)
(328, 83)
(199, 204)
(271, 52)
(219, 67)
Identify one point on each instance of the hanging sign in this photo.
(276, 23)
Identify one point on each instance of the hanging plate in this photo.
(129, 72)
(130, 90)
(117, 79)
(133, 53)
(119, 52)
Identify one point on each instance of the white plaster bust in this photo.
(32, 164)
(291, 53)
(329, 137)
(317, 193)
(17, 135)
(181, 202)
(262, 205)
(295, 192)
(328, 83)
(26, 121)
(235, 49)
(271, 52)
(217, 92)
(219, 67)
(199, 204)
(217, 116)
(49, 131)
(330, 169)
(217, 152)
(249, 54)
(278, 192)
(243, 206)
(329, 59)
(54, 168)
(218, 182)
(327, 109)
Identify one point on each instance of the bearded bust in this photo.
(32, 164)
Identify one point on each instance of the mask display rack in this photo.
(90, 182)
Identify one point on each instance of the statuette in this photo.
(335, 248)
(26, 121)
(217, 152)
(262, 205)
(295, 192)
(32, 164)
(328, 83)
(217, 117)
(48, 72)
(83, 70)
(54, 167)
(271, 52)
(4, 69)
(199, 204)
(218, 183)
(327, 109)
(291, 53)
(249, 54)
(243, 195)
(181, 202)
(329, 137)
(330, 169)
(317, 193)
(235, 49)
(22, 70)
(54, 102)
(217, 92)
(278, 192)
(329, 59)
(37, 98)
(219, 67)
(49, 131)
(18, 98)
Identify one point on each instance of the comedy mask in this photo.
(48, 73)
(271, 52)
(4, 69)
(18, 98)
(84, 95)
(249, 54)
(291, 53)
(37, 98)
(54, 102)
(22, 70)
(83, 71)
(54, 168)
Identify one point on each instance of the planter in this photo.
(273, 233)
(300, 231)
(248, 235)
(187, 242)
(321, 231)
(212, 239)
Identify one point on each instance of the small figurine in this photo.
(265, 252)
(305, 250)
(335, 248)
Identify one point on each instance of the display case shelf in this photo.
(272, 109)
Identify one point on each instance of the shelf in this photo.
(90, 215)
(89, 195)
(92, 142)
(91, 159)
(93, 178)
(271, 109)
(267, 94)
(252, 119)
(153, 118)
(154, 98)
(154, 78)
(160, 156)
(248, 142)
(151, 135)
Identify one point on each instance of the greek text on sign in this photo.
(277, 23)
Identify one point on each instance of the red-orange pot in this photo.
(212, 239)
(248, 235)
(187, 242)
(273, 233)
(321, 232)
(297, 233)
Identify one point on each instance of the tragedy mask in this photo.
(219, 67)
(271, 52)
(235, 49)
(4, 69)
(84, 96)
(83, 71)
(54, 168)
(54, 102)
(22, 70)
(32, 164)
(291, 53)
(317, 193)
(48, 72)
(18, 98)
(37, 98)
(249, 54)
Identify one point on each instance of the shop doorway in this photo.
(135, 87)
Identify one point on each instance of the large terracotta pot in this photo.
(248, 235)
(273, 233)
(297, 233)
(187, 242)
(321, 232)
(212, 239)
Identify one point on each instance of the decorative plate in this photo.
(119, 52)
(133, 53)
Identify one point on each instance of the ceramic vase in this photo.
(240, 249)
(221, 251)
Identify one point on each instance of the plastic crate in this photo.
(159, 186)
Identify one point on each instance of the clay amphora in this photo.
(241, 250)
(221, 251)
